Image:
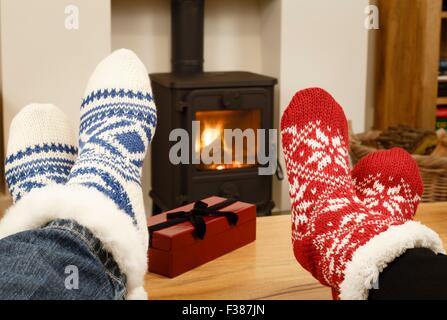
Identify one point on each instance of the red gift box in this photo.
(176, 249)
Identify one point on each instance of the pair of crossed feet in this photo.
(347, 225)
(99, 187)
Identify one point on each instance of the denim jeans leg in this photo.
(61, 260)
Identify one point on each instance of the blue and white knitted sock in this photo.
(41, 149)
(103, 191)
(118, 119)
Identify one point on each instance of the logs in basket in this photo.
(433, 169)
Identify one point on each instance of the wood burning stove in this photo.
(218, 100)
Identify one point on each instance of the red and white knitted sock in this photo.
(389, 182)
(335, 237)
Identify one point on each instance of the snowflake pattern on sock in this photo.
(389, 182)
(329, 221)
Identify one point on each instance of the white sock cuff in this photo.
(363, 271)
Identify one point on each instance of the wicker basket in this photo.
(433, 169)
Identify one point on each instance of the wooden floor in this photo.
(265, 269)
(434, 215)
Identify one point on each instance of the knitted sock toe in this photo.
(389, 182)
(41, 149)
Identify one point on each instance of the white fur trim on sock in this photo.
(137, 294)
(91, 209)
(372, 258)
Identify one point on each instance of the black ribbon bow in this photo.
(195, 216)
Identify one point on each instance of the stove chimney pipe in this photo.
(187, 20)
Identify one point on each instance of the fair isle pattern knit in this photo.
(389, 182)
(41, 150)
(38, 166)
(116, 127)
(329, 222)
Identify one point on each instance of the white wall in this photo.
(324, 43)
(232, 33)
(42, 61)
(271, 48)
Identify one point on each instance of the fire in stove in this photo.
(232, 135)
